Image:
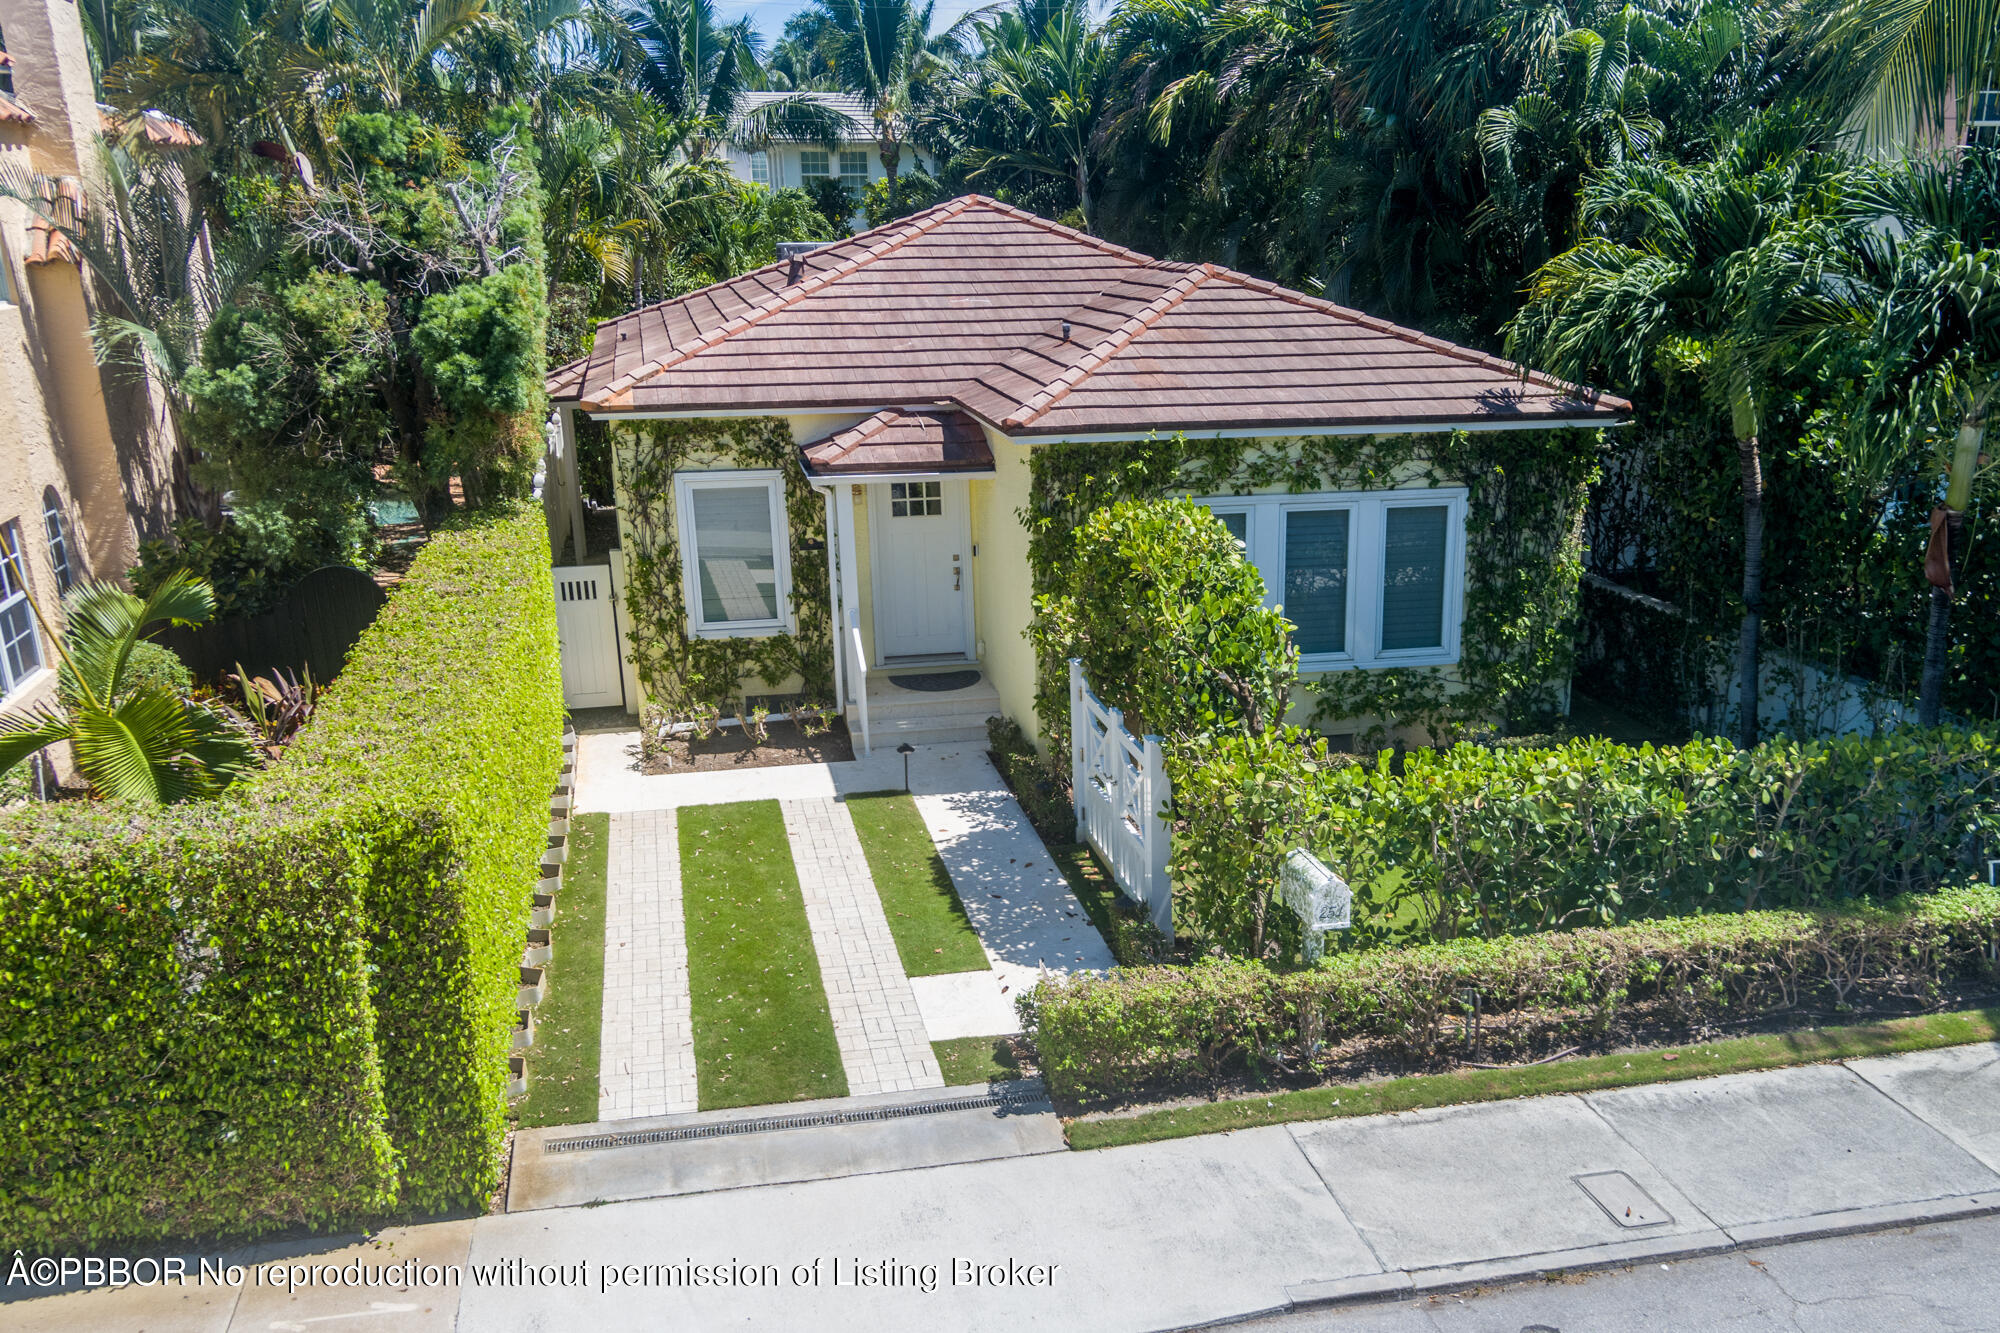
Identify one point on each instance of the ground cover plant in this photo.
(762, 1031)
(933, 935)
(569, 1023)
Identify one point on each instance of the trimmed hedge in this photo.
(344, 1050)
(1148, 1028)
(1491, 840)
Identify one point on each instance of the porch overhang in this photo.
(899, 444)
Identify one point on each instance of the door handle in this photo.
(954, 579)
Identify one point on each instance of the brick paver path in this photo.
(875, 1020)
(646, 1061)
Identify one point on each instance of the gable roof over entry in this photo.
(1042, 332)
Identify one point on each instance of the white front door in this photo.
(920, 569)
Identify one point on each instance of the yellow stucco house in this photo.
(832, 472)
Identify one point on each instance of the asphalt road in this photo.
(1941, 1277)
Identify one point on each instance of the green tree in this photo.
(885, 51)
(1896, 69)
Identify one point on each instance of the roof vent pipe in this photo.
(1065, 330)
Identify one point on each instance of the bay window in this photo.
(1368, 578)
(735, 556)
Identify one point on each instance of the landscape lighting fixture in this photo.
(906, 750)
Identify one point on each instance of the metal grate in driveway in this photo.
(1002, 1101)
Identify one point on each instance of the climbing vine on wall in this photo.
(679, 671)
(1524, 554)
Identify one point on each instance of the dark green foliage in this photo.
(832, 200)
(679, 672)
(1169, 621)
(367, 895)
(1039, 782)
(1146, 1028)
(1494, 840)
(261, 549)
(149, 666)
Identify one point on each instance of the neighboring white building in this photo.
(789, 163)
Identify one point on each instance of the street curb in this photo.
(1376, 1288)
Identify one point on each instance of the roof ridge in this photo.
(783, 298)
(1048, 225)
(861, 431)
(1107, 347)
(1429, 342)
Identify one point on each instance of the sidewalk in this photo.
(1200, 1230)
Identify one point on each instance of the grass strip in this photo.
(762, 1032)
(933, 935)
(562, 1064)
(1735, 1055)
(976, 1060)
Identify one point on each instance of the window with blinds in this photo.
(1367, 578)
(736, 567)
(760, 167)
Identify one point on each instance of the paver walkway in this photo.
(875, 1019)
(646, 1055)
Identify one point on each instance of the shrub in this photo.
(1170, 623)
(292, 1006)
(1495, 840)
(1040, 784)
(1133, 1030)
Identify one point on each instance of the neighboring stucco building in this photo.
(785, 163)
(85, 459)
(828, 469)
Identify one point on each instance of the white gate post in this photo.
(1158, 839)
(1077, 721)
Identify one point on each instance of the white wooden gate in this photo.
(1120, 787)
(587, 623)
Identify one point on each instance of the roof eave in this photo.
(1269, 430)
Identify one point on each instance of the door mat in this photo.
(937, 682)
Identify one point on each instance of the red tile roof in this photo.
(48, 243)
(1045, 332)
(902, 442)
(12, 112)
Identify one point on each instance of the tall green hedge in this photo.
(292, 1007)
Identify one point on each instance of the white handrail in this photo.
(859, 679)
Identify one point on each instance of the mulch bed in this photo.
(728, 748)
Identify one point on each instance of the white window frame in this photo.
(55, 527)
(685, 485)
(1367, 530)
(1983, 129)
(806, 173)
(760, 166)
(860, 178)
(16, 569)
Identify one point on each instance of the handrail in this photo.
(859, 679)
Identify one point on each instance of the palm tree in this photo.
(138, 742)
(1691, 282)
(1924, 295)
(1053, 82)
(885, 51)
(1900, 70)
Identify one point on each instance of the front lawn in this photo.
(562, 1064)
(977, 1060)
(1622, 1069)
(929, 923)
(762, 1032)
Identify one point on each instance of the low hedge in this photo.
(292, 1007)
(1142, 1029)
(1492, 840)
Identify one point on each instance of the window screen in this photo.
(1316, 578)
(1413, 555)
(734, 554)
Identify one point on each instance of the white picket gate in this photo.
(1120, 787)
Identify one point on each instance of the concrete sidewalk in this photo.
(1200, 1230)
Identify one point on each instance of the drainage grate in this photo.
(1000, 1101)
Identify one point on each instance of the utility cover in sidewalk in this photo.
(1620, 1196)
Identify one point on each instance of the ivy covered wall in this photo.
(677, 671)
(1524, 555)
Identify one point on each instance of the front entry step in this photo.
(925, 717)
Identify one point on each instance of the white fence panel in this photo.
(1121, 791)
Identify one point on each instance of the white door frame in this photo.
(958, 500)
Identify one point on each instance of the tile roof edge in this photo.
(1105, 348)
(854, 436)
(784, 298)
(1428, 342)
